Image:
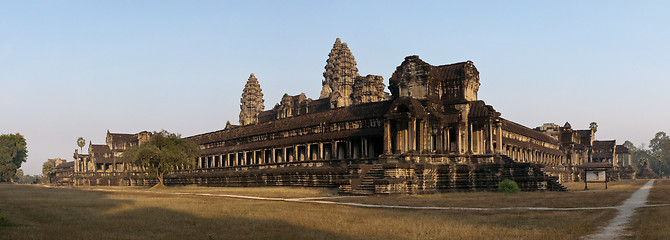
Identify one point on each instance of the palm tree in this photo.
(81, 142)
(593, 126)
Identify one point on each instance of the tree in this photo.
(18, 175)
(637, 155)
(163, 153)
(81, 142)
(13, 153)
(28, 179)
(48, 168)
(660, 151)
(593, 126)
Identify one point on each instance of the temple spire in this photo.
(251, 101)
(339, 76)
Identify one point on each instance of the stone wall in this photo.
(421, 178)
(288, 176)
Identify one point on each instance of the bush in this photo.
(5, 222)
(508, 186)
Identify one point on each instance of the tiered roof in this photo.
(251, 101)
(340, 69)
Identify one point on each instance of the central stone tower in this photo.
(251, 101)
(339, 77)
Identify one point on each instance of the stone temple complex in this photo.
(430, 134)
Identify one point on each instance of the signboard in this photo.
(596, 176)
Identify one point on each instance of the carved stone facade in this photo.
(431, 134)
(251, 101)
(104, 164)
(368, 89)
(340, 75)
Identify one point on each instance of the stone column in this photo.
(459, 138)
(499, 137)
(295, 153)
(321, 157)
(470, 138)
(263, 161)
(387, 136)
(490, 137)
(411, 128)
(447, 139)
(364, 148)
(273, 158)
(308, 152)
(284, 155)
(425, 135)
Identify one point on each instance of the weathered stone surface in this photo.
(368, 89)
(340, 75)
(431, 135)
(251, 101)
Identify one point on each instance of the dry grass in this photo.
(45, 213)
(275, 192)
(615, 195)
(660, 193)
(653, 222)
(618, 185)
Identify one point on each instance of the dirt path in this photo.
(616, 226)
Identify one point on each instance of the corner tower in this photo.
(251, 101)
(340, 74)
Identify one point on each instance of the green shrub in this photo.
(5, 222)
(508, 186)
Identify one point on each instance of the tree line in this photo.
(656, 154)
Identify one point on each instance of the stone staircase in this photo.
(362, 179)
(552, 181)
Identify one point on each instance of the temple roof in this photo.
(604, 144)
(451, 72)
(480, 109)
(525, 131)
(122, 137)
(352, 113)
(65, 165)
(621, 149)
(97, 148)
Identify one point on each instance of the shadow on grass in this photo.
(45, 213)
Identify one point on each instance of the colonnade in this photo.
(521, 154)
(416, 135)
(83, 163)
(354, 148)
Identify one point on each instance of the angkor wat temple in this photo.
(430, 134)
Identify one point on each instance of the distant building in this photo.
(104, 163)
(63, 171)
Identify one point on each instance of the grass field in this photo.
(132, 213)
(652, 222)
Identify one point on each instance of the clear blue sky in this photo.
(78, 68)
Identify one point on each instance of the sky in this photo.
(72, 69)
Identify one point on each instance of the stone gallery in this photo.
(430, 134)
